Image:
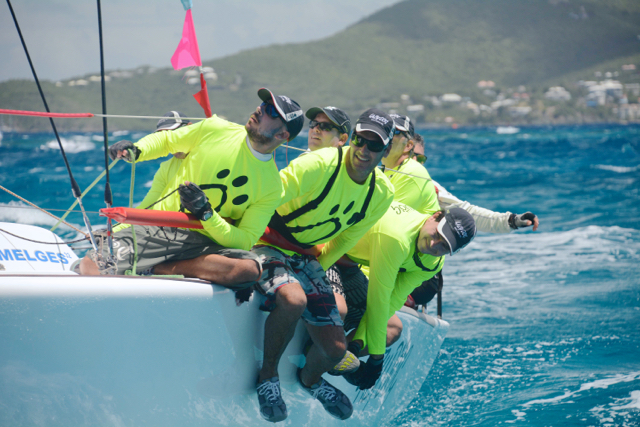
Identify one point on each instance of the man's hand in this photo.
(120, 150)
(195, 201)
(367, 374)
(524, 220)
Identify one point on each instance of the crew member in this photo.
(229, 173)
(402, 250)
(486, 220)
(331, 196)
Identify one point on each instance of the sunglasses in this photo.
(324, 126)
(421, 158)
(271, 110)
(374, 146)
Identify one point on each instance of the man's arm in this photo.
(160, 144)
(249, 228)
(486, 220)
(157, 185)
(386, 258)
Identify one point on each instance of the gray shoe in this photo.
(349, 363)
(335, 402)
(272, 407)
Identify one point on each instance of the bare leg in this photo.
(394, 331)
(329, 346)
(88, 267)
(280, 326)
(342, 305)
(214, 268)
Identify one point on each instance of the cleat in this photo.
(349, 364)
(272, 407)
(335, 402)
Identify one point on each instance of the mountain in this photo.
(415, 47)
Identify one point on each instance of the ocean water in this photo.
(545, 326)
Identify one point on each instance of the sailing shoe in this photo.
(349, 363)
(335, 402)
(272, 407)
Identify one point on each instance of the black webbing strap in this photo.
(316, 202)
(372, 186)
(277, 223)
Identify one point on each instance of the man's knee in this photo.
(331, 342)
(88, 267)
(245, 270)
(394, 330)
(291, 297)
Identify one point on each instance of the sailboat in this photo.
(138, 350)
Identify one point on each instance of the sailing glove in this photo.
(370, 373)
(121, 150)
(520, 221)
(193, 199)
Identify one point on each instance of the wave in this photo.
(74, 144)
(617, 169)
(21, 213)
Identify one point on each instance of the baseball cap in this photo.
(336, 115)
(458, 228)
(403, 123)
(376, 121)
(289, 110)
(172, 120)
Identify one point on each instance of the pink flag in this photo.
(203, 97)
(187, 54)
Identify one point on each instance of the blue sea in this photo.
(545, 326)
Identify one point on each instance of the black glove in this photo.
(243, 295)
(367, 374)
(520, 221)
(121, 149)
(195, 201)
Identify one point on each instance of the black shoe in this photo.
(272, 407)
(335, 402)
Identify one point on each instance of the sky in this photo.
(62, 35)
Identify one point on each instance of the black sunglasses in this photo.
(271, 110)
(374, 146)
(421, 158)
(324, 126)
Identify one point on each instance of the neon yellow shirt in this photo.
(238, 185)
(396, 268)
(331, 222)
(419, 193)
(165, 172)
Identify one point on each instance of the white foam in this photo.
(75, 144)
(22, 213)
(617, 169)
(120, 133)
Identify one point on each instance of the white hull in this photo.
(129, 351)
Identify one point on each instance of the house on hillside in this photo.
(557, 93)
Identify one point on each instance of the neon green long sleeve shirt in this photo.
(239, 186)
(396, 268)
(305, 178)
(417, 191)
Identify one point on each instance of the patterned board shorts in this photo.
(353, 285)
(279, 269)
(159, 244)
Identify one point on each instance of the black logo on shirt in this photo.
(237, 182)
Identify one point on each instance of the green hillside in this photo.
(416, 47)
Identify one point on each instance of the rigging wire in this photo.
(74, 185)
(42, 210)
(108, 196)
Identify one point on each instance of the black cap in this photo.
(403, 123)
(376, 121)
(172, 120)
(458, 228)
(336, 115)
(289, 110)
